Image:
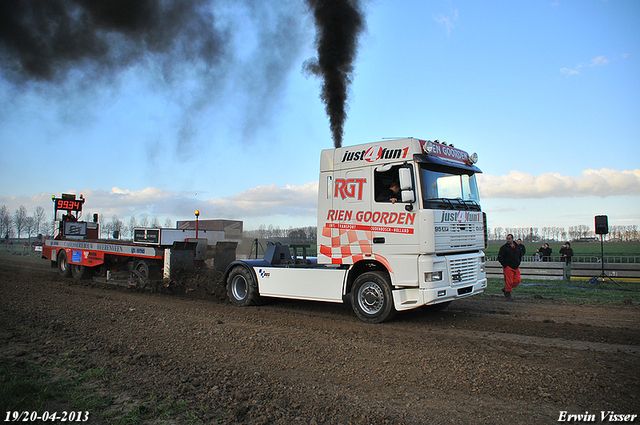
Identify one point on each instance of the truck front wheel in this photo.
(63, 265)
(242, 288)
(372, 300)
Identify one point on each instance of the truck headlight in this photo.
(432, 276)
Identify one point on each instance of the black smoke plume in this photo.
(338, 23)
(195, 52)
(44, 40)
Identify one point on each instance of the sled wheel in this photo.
(141, 274)
(63, 265)
(372, 300)
(80, 272)
(242, 288)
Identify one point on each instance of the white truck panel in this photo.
(305, 284)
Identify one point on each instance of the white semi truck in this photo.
(399, 227)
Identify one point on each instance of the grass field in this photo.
(580, 249)
(577, 290)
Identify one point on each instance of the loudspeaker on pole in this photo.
(602, 225)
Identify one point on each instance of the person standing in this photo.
(566, 252)
(545, 252)
(523, 249)
(509, 257)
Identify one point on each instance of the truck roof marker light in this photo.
(53, 198)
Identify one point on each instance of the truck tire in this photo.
(80, 272)
(63, 265)
(372, 299)
(242, 288)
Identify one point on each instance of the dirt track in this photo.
(482, 361)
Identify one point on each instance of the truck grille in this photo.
(460, 237)
(463, 270)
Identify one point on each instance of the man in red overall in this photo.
(509, 257)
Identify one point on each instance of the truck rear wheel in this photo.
(372, 299)
(63, 265)
(242, 288)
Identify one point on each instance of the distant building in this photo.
(232, 228)
(586, 240)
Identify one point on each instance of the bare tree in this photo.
(20, 219)
(30, 226)
(144, 222)
(133, 223)
(116, 226)
(40, 218)
(155, 223)
(104, 226)
(168, 223)
(5, 222)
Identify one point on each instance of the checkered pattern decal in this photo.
(348, 246)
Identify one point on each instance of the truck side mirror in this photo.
(405, 179)
(406, 185)
(408, 196)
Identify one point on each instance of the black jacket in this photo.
(508, 256)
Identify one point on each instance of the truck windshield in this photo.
(448, 188)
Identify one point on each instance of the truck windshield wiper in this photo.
(443, 200)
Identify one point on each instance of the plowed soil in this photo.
(484, 360)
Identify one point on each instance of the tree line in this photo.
(20, 224)
(554, 233)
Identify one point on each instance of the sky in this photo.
(547, 93)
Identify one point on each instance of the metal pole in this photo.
(602, 255)
(197, 215)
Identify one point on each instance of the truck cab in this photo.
(399, 226)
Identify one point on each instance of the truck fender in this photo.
(362, 267)
(241, 263)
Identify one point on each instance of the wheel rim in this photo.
(371, 298)
(239, 287)
(62, 261)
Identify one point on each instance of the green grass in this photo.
(57, 386)
(30, 387)
(579, 291)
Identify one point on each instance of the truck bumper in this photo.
(442, 279)
(408, 298)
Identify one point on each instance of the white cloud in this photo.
(270, 200)
(519, 185)
(569, 71)
(600, 60)
(447, 21)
